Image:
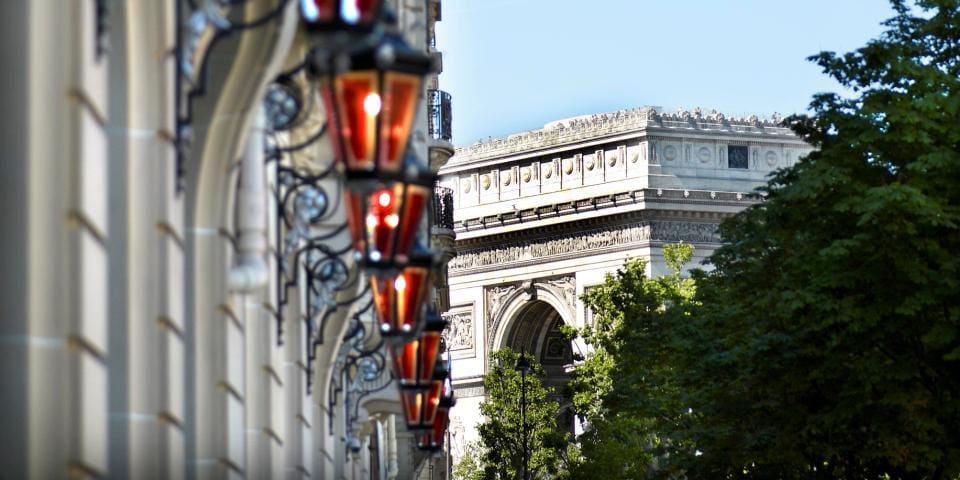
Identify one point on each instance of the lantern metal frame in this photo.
(338, 24)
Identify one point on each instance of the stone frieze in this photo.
(655, 230)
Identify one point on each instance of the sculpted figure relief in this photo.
(667, 231)
(566, 287)
(459, 332)
(495, 296)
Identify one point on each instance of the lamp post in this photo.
(523, 366)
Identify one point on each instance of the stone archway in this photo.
(534, 326)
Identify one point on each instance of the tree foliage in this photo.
(624, 389)
(500, 451)
(832, 312)
(825, 341)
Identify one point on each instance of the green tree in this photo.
(825, 342)
(624, 389)
(501, 434)
(828, 339)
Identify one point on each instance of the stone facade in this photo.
(543, 216)
(140, 336)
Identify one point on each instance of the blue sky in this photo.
(514, 65)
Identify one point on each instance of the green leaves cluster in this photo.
(499, 454)
(626, 388)
(825, 341)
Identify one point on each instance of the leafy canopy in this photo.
(625, 389)
(825, 341)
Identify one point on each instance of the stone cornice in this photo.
(650, 196)
(588, 127)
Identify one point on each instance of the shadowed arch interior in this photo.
(536, 329)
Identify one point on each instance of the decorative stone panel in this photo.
(460, 334)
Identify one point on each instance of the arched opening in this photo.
(535, 328)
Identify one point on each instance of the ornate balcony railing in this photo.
(443, 207)
(441, 115)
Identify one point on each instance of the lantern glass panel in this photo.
(439, 427)
(358, 97)
(412, 406)
(430, 347)
(405, 363)
(399, 299)
(320, 10)
(431, 403)
(400, 104)
(414, 362)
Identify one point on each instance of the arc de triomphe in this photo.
(542, 216)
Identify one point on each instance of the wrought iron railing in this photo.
(443, 207)
(441, 115)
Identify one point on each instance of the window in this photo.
(737, 156)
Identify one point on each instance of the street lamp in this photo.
(399, 298)
(523, 366)
(384, 220)
(433, 439)
(371, 97)
(420, 405)
(415, 361)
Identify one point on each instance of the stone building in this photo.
(153, 325)
(541, 216)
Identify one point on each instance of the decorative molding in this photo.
(599, 125)
(580, 242)
(648, 195)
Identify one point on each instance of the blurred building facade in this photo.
(142, 336)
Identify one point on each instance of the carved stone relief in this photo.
(459, 333)
(771, 158)
(670, 153)
(564, 288)
(495, 299)
(667, 231)
(703, 154)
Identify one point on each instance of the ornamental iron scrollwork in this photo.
(360, 369)
(197, 21)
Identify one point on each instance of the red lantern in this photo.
(328, 15)
(371, 108)
(432, 440)
(384, 222)
(420, 406)
(399, 298)
(414, 362)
